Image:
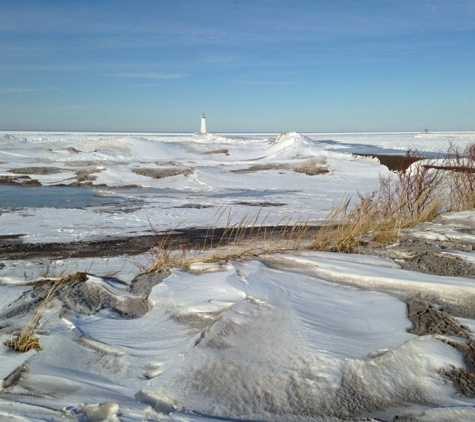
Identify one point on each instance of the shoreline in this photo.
(13, 248)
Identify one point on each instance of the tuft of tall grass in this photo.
(247, 237)
(27, 338)
(418, 194)
(166, 256)
(461, 165)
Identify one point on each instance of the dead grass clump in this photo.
(245, 238)
(461, 166)
(251, 237)
(27, 338)
(23, 341)
(413, 196)
(419, 194)
(167, 257)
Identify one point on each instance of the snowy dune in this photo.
(307, 336)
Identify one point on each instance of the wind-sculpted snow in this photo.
(247, 342)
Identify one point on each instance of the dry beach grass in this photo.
(418, 194)
(248, 237)
(27, 338)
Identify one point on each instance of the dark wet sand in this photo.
(394, 162)
(13, 247)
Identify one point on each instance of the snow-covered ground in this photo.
(306, 336)
(187, 178)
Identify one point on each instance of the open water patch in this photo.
(249, 193)
(14, 197)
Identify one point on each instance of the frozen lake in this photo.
(156, 173)
(13, 197)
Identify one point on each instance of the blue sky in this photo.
(250, 65)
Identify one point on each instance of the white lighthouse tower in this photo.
(203, 124)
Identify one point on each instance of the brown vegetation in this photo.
(27, 338)
(418, 194)
(248, 237)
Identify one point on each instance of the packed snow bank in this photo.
(400, 282)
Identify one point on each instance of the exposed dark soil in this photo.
(164, 163)
(218, 151)
(89, 163)
(12, 247)
(261, 204)
(431, 319)
(162, 173)
(15, 248)
(458, 169)
(311, 167)
(37, 170)
(75, 293)
(464, 379)
(71, 149)
(402, 162)
(19, 180)
(87, 174)
(393, 162)
(440, 264)
(194, 206)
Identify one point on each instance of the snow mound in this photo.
(147, 149)
(291, 145)
(104, 412)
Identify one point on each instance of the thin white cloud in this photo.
(21, 90)
(151, 75)
(262, 82)
(142, 86)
